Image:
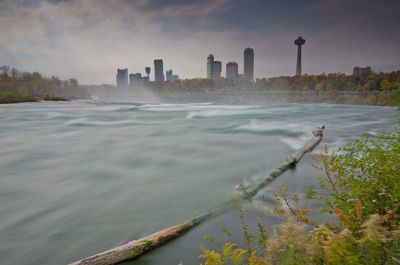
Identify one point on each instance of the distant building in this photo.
(210, 65)
(170, 76)
(362, 70)
(122, 77)
(217, 69)
(214, 68)
(248, 69)
(136, 79)
(232, 71)
(158, 70)
(147, 70)
(299, 42)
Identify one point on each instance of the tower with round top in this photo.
(299, 42)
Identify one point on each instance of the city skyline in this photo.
(213, 71)
(71, 39)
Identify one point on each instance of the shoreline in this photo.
(222, 96)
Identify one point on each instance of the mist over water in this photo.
(139, 94)
(78, 178)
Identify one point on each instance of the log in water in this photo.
(137, 248)
(290, 162)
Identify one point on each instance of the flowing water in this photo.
(77, 178)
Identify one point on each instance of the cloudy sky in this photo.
(89, 39)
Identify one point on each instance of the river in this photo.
(77, 178)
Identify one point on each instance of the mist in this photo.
(142, 94)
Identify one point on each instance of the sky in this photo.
(90, 39)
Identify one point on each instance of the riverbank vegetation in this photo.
(360, 191)
(16, 86)
(371, 88)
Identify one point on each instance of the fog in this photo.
(139, 95)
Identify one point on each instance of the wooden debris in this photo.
(290, 162)
(137, 248)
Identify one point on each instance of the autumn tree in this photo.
(385, 85)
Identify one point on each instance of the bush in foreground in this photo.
(361, 189)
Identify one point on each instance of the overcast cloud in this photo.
(89, 39)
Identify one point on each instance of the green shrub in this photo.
(361, 189)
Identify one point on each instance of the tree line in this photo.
(17, 86)
(375, 88)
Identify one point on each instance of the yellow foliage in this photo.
(385, 85)
(254, 260)
(338, 249)
(212, 257)
(227, 249)
(237, 256)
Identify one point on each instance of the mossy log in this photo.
(290, 162)
(137, 248)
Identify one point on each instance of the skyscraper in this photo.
(361, 70)
(232, 71)
(214, 68)
(248, 69)
(210, 65)
(122, 77)
(299, 42)
(217, 69)
(135, 79)
(168, 74)
(158, 70)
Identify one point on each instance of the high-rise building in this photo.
(361, 70)
(248, 68)
(170, 76)
(210, 65)
(217, 69)
(158, 70)
(232, 71)
(122, 77)
(135, 79)
(214, 68)
(299, 42)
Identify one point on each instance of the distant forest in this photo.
(372, 88)
(16, 86)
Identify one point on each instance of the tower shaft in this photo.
(298, 65)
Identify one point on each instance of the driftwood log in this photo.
(290, 162)
(137, 248)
